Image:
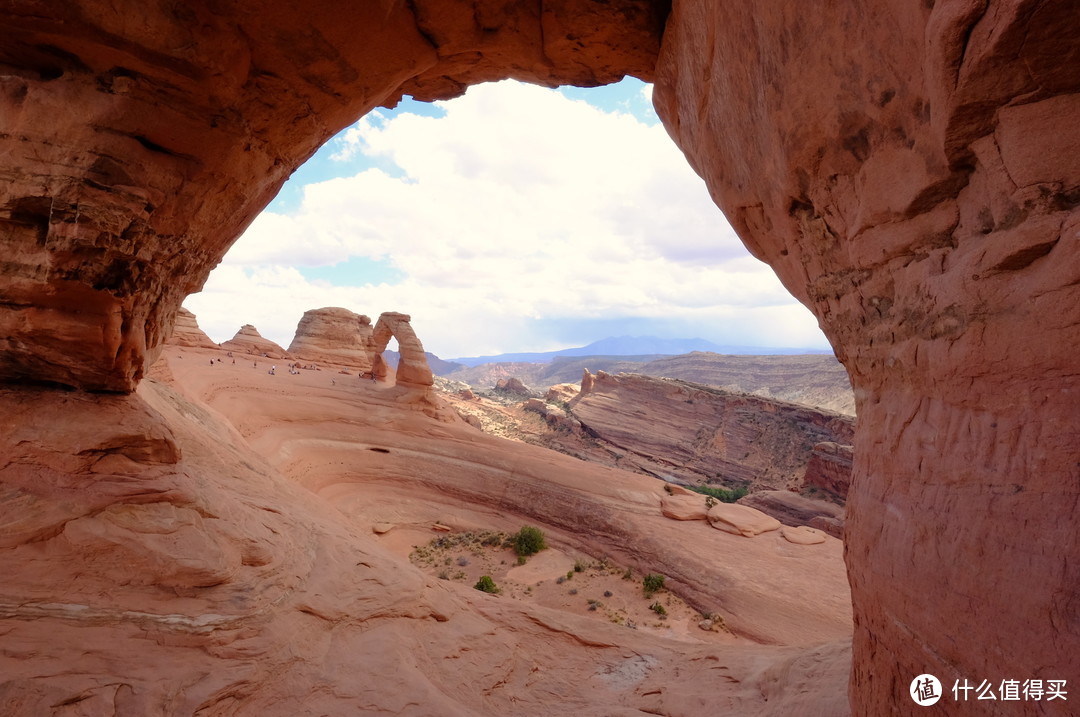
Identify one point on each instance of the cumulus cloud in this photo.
(517, 205)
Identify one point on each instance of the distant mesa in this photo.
(249, 341)
(186, 332)
(334, 335)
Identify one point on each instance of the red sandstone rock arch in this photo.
(911, 171)
(413, 369)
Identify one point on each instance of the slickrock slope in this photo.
(334, 335)
(186, 332)
(911, 171)
(248, 340)
(696, 434)
(220, 557)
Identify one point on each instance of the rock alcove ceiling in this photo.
(910, 170)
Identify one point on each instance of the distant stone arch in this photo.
(413, 369)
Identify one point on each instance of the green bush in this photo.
(658, 608)
(652, 583)
(529, 541)
(724, 495)
(486, 584)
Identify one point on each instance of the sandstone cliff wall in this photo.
(695, 434)
(911, 171)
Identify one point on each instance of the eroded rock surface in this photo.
(186, 332)
(334, 335)
(698, 434)
(910, 172)
(830, 468)
(249, 341)
(412, 368)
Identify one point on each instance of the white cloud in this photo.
(517, 204)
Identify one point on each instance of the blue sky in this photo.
(514, 218)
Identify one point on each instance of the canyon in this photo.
(910, 171)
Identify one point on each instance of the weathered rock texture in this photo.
(830, 468)
(791, 508)
(248, 340)
(696, 434)
(412, 368)
(186, 332)
(334, 335)
(911, 171)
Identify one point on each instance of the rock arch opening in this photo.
(909, 170)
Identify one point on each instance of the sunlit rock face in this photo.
(186, 332)
(140, 139)
(333, 335)
(912, 172)
(412, 369)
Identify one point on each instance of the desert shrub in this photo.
(607, 593)
(579, 566)
(658, 608)
(486, 584)
(529, 541)
(653, 582)
(724, 495)
(462, 561)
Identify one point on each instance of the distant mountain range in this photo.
(636, 346)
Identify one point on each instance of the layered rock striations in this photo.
(334, 335)
(186, 332)
(911, 172)
(830, 468)
(696, 434)
(249, 341)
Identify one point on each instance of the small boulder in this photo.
(802, 535)
(684, 507)
(741, 520)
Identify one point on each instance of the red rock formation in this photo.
(697, 434)
(248, 340)
(513, 385)
(912, 173)
(909, 169)
(412, 369)
(333, 335)
(830, 468)
(189, 122)
(791, 508)
(186, 332)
